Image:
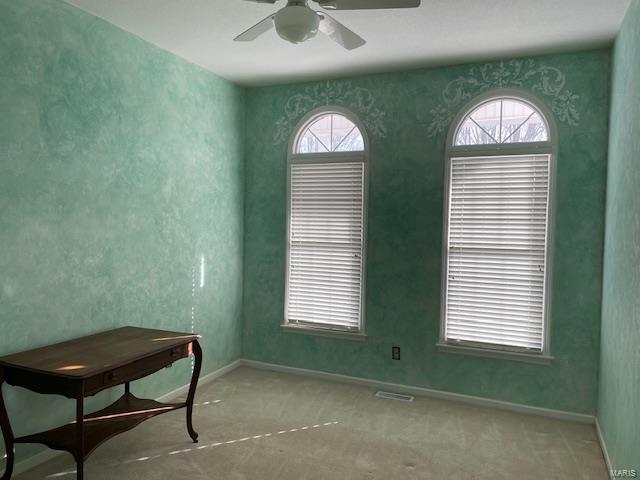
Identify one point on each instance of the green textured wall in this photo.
(121, 166)
(407, 116)
(619, 402)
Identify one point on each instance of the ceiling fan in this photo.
(297, 22)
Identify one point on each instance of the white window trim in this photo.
(549, 147)
(324, 332)
(328, 157)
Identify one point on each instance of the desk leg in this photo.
(80, 434)
(7, 433)
(197, 352)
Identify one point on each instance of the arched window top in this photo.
(329, 132)
(502, 120)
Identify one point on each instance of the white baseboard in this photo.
(605, 453)
(49, 454)
(208, 378)
(426, 392)
(35, 460)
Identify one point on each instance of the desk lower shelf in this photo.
(123, 415)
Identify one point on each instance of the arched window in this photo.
(327, 224)
(502, 120)
(330, 132)
(499, 175)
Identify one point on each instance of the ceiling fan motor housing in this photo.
(296, 23)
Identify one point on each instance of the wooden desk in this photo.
(85, 366)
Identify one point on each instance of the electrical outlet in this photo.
(395, 353)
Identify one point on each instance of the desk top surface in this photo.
(88, 356)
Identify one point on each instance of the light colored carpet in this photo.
(263, 425)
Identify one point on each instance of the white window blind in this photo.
(497, 250)
(326, 234)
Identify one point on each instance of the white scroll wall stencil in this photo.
(360, 100)
(542, 79)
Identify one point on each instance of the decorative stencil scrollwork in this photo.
(357, 99)
(542, 79)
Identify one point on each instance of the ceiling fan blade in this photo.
(367, 4)
(255, 31)
(339, 33)
(262, 1)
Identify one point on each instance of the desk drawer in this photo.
(140, 368)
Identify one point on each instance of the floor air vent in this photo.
(394, 396)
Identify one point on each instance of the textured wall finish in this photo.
(405, 229)
(121, 193)
(619, 405)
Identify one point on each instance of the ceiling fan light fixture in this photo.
(296, 24)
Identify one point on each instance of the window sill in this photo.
(535, 358)
(325, 332)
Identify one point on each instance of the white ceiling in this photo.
(439, 32)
